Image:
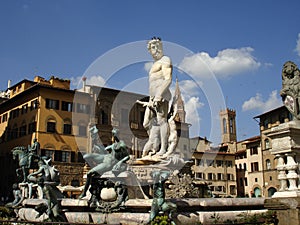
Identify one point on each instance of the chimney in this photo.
(83, 83)
(8, 84)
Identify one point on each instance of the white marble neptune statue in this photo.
(160, 79)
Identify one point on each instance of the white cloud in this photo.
(257, 102)
(253, 103)
(190, 87)
(192, 106)
(298, 45)
(268, 64)
(190, 92)
(93, 80)
(75, 81)
(227, 63)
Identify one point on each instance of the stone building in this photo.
(256, 174)
(250, 173)
(228, 126)
(269, 122)
(43, 109)
(214, 166)
(256, 165)
(113, 108)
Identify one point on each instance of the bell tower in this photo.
(228, 125)
(180, 116)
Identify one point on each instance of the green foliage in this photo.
(246, 218)
(161, 220)
(260, 218)
(6, 213)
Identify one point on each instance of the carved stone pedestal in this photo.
(287, 209)
(286, 194)
(286, 147)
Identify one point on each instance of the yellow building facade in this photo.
(43, 109)
(256, 166)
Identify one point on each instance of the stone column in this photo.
(287, 172)
(281, 172)
(292, 176)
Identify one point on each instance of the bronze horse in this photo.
(23, 157)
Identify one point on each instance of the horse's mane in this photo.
(18, 149)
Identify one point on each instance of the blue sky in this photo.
(235, 48)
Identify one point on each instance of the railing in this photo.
(16, 222)
(237, 223)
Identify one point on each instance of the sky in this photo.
(224, 53)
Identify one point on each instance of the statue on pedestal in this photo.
(17, 197)
(159, 118)
(160, 79)
(52, 208)
(26, 157)
(290, 91)
(159, 203)
(39, 184)
(21, 154)
(113, 159)
(47, 172)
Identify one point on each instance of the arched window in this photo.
(51, 125)
(65, 154)
(271, 191)
(48, 150)
(82, 128)
(257, 192)
(268, 164)
(267, 143)
(224, 126)
(231, 126)
(67, 126)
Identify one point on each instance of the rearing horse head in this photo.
(20, 151)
